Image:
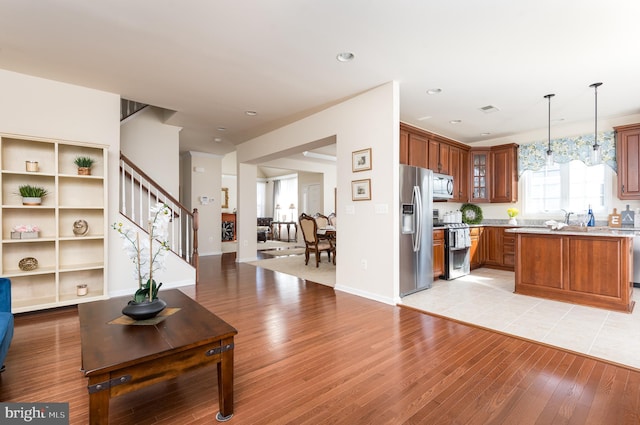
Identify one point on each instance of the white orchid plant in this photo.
(147, 254)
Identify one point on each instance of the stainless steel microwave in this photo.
(442, 186)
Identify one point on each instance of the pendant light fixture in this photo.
(549, 151)
(595, 152)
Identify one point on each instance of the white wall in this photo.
(154, 147)
(365, 237)
(206, 182)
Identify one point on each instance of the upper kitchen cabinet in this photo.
(479, 174)
(493, 175)
(414, 147)
(441, 155)
(459, 166)
(418, 151)
(628, 158)
(404, 146)
(504, 173)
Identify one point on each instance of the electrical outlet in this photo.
(363, 263)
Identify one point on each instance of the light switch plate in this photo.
(382, 209)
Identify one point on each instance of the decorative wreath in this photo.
(471, 214)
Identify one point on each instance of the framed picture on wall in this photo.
(361, 160)
(361, 190)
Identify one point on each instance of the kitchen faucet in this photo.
(567, 214)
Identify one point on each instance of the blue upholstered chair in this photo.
(6, 319)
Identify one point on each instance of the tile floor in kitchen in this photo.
(485, 298)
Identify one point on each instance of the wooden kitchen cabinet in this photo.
(508, 250)
(628, 158)
(418, 150)
(504, 173)
(499, 248)
(439, 152)
(479, 175)
(441, 155)
(560, 266)
(404, 146)
(438, 253)
(476, 252)
(459, 163)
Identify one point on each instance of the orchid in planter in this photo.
(147, 253)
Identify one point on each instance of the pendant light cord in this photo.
(548, 97)
(595, 136)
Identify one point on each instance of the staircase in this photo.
(129, 107)
(138, 192)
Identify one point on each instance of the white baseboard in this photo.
(364, 294)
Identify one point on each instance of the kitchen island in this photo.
(588, 266)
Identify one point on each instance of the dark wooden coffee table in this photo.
(119, 359)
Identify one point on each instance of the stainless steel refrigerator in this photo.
(416, 229)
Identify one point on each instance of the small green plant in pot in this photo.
(32, 195)
(84, 164)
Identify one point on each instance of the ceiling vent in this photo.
(489, 109)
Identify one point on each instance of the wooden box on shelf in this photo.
(24, 235)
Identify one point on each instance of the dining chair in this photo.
(332, 219)
(322, 221)
(312, 242)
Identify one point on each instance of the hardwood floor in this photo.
(308, 355)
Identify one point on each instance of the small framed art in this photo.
(361, 160)
(361, 190)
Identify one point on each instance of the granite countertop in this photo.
(577, 231)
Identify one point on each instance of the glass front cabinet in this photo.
(479, 176)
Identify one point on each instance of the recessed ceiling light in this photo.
(217, 139)
(251, 113)
(434, 91)
(485, 134)
(455, 121)
(345, 57)
(222, 129)
(424, 118)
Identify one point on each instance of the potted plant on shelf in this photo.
(148, 255)
(84, 164)
(32, 195)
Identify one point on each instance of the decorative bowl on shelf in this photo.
(27, 264)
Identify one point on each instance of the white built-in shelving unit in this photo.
(64, 259)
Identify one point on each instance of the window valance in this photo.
(533, 156)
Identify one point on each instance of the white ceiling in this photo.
(211, 60)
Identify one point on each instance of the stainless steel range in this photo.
(457, 243)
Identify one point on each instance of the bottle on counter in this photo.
(591, 219)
